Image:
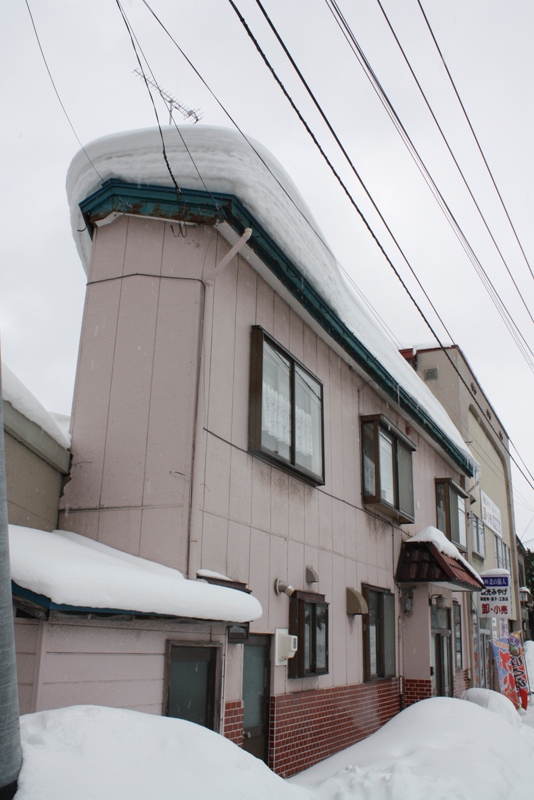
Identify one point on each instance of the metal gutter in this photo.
(207, 208)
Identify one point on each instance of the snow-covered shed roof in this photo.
(77, 573)
(216, 164)
(14, 391)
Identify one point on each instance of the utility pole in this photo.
(10, 746)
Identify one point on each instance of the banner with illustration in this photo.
(510, 664)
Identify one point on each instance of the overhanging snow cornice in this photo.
(116, 196)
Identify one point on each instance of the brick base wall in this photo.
(461, 682)
(233, 722)
(415, 690)
(306, 727)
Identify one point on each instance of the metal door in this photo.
(256, 695)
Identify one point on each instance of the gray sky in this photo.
(487, 46)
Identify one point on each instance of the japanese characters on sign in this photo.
(491, 515)
(494, 599)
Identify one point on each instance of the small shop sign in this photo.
(494, 599)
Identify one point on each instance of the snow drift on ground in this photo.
(229, 163)
(437, 749)
(528, 649)
(14, 391)
(74, 570)
(96, 753)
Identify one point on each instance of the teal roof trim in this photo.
(210, 207)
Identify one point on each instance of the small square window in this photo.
(379, 634)
(308, 620)
(286, 410)
(450, 511)
(387, 473)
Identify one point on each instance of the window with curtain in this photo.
(286, 410)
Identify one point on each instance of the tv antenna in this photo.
(171, 102)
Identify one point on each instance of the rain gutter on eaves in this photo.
(208, 208)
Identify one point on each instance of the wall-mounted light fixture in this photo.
(356, 603)
(440, 600)
(408, 601)
(281, 587)
(312, 578)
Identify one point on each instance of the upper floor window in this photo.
(479, 536)
(502, 554)
(308, 620)
(379, 634)
(286, 410)
(450, 511)
(387, 474)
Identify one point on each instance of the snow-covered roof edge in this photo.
(245, 169)
(74, 571)
(439, 540)
(16, 393)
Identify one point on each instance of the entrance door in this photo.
(483, 658)
(191, 688)
(441, 655)
(256, 676)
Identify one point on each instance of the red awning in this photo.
(422, 562)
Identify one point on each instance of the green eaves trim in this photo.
(210, 207)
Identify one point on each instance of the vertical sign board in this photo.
(491, 515)
(494, 599)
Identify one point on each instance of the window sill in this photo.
(389, 511)
(269, 458)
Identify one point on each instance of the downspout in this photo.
(206, 323)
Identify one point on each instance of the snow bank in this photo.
(495, 702)
(444, 545)
(73, 570)
(14, 391)
(227, 163)
(528, 649)
(95, 753)
(441, 748)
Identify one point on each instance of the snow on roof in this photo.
(14, 391)
(444, 545)
(227, 163)
(73, 570)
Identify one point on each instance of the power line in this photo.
(475, 137)
(483, 218)
(56, 91)
(133, 40)
(506, 316)
(299, 210)
(271, 69)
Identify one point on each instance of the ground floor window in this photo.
(379, 634)
(457, 620)
(308, 620)
(191, 683)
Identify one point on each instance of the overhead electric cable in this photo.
(227, 113)
(271, 69)
(475, 138)
(464, 179)
(506, 316)
(133, 41)
(57, 93)
(261, 159)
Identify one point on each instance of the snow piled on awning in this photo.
(73, 570)
(444, 545)
(227, 163)
(14, 391)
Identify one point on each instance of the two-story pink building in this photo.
(240, 417)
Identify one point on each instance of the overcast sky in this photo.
(487, 45)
